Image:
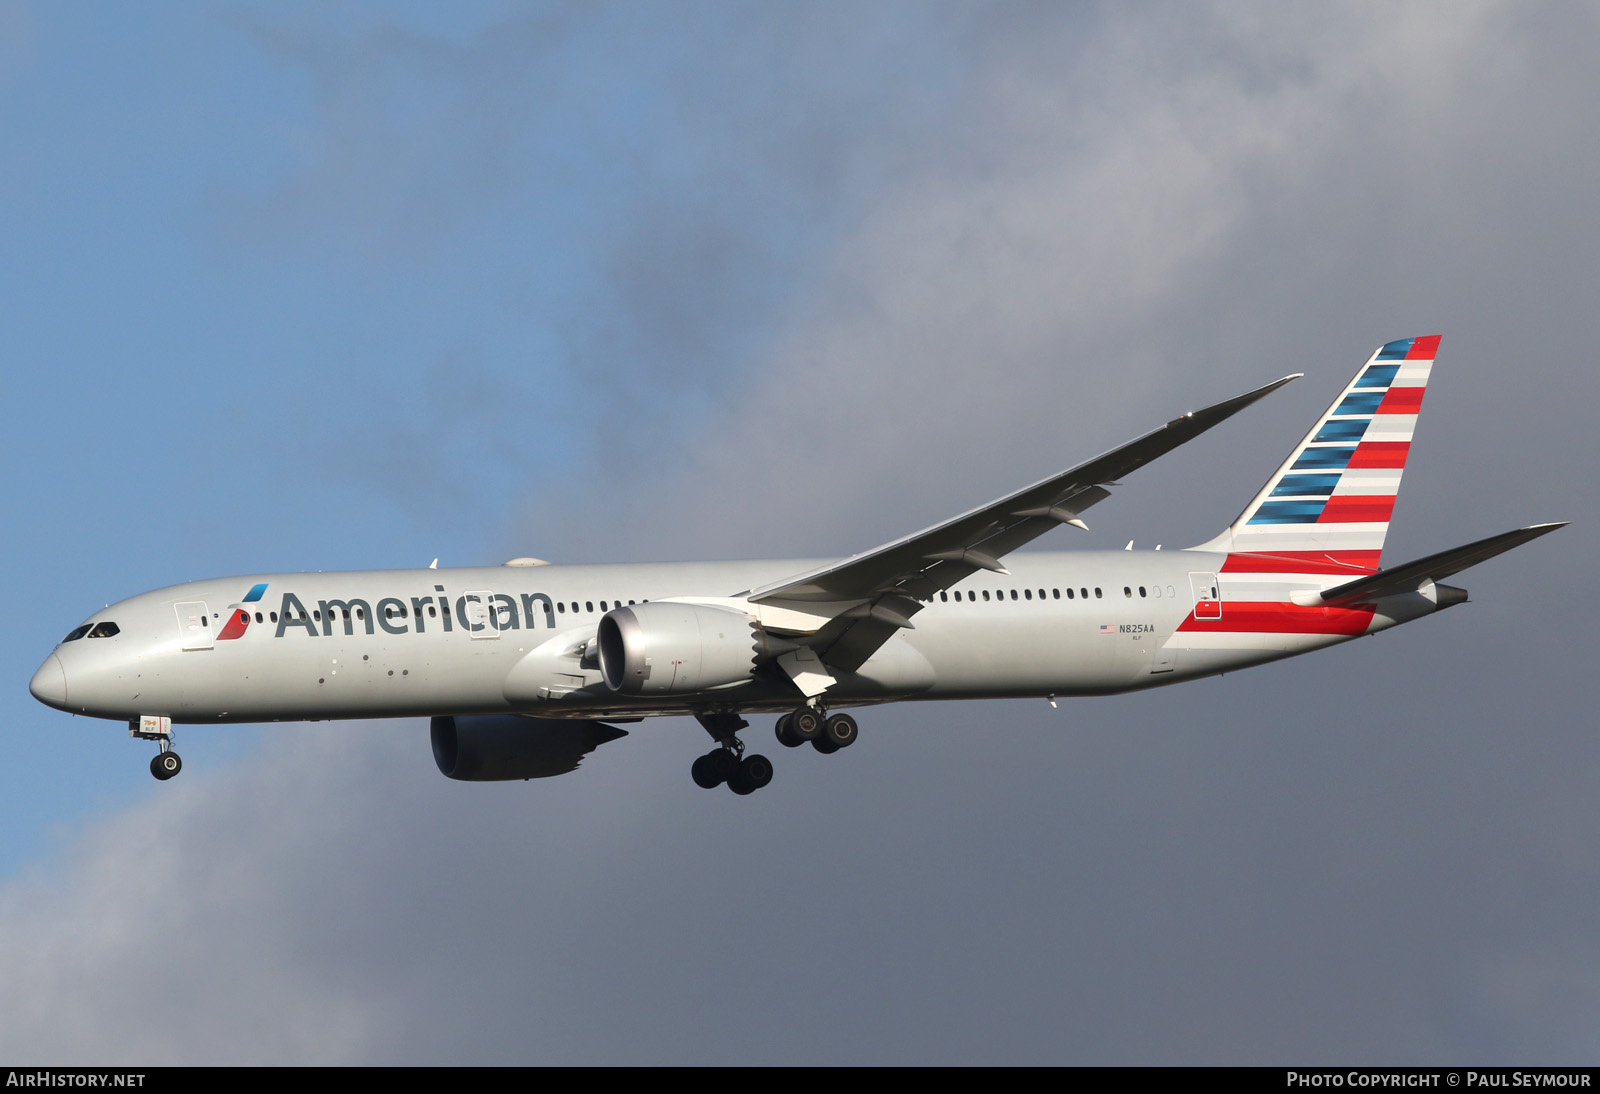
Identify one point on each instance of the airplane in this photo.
(525, 668)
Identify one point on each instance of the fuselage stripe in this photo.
(1303, 562)
(1268, 617)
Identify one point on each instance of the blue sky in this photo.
(358, 286)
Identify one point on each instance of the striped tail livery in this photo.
(1300, 566)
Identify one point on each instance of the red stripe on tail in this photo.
(1380, 454)
(1352, 509)
(1425, 348)
(1402, 400)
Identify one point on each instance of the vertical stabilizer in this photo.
(1331, 499)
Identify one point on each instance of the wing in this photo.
(882, 589)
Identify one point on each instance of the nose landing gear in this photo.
(155, 727)
(164, 765)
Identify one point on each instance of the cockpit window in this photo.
(104, 630)
(79, 633)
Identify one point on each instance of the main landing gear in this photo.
(723, 765)
(152, 727)
(826, 734)
(727, 763)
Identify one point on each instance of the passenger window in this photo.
(1056, 594)
(561, 606)
(1069, 592)
(258, 617)
(1083, 593)
(1027, 594)
(602, 605)
(1127, 592)
(944, 598)
(1097, 592)
(588, 605)
(272, 616)
(1013, 594)
(986, 594)
(433, 613)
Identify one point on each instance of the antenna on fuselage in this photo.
(434, 565)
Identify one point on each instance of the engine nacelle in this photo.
(493, 747)
(669, 648)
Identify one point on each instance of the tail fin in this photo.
(1331, 499)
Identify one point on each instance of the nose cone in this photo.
(49, 684)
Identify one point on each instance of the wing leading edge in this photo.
(878, 592)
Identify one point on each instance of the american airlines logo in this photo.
(479, 612)
(239, 619)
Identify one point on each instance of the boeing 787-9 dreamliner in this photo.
(525, 668)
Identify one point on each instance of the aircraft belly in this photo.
(339, 677)
(1019, 658)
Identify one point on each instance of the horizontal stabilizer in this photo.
(1412, 575)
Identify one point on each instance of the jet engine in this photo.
(669, 648)
(493, 747)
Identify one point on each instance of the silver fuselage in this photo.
(510, 639)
